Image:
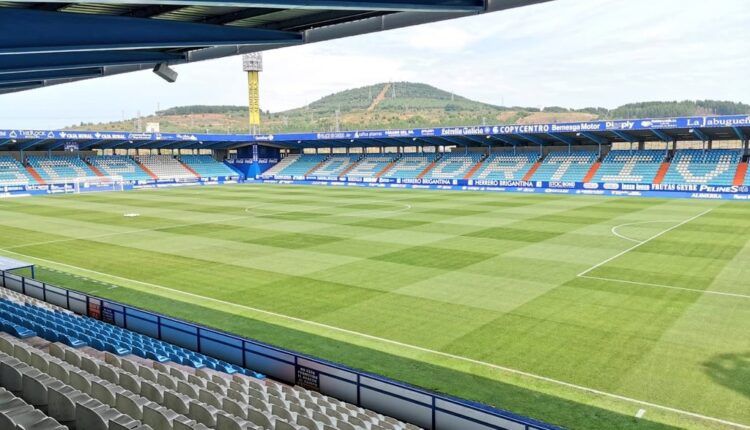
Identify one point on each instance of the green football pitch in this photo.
(579, 311)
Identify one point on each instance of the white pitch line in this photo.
(644, 242)
(671, 287)
(614, 229)
(412, 347)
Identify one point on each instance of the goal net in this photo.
(97, 183)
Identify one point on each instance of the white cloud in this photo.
(567, 52)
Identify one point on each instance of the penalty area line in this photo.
(409, 346)
(637, 245)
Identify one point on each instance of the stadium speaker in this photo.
(164, 72)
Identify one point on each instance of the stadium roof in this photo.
(703, 128)
(51, 42)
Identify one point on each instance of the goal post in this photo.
(98, 183)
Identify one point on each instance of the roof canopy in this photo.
(46, 43)
(733, 127)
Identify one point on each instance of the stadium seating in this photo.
(410, 166)
(207, 167)
(12, 172)
(302, 165)
(696, 166)
(335, 165)
(280, 166)
(371, 165)
(165, 167)
(454, 165)
(60, 168)
(119, 165)
(506, 166)
(88, 388)
(630, 166)
(564, 166)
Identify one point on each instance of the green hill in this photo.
(399, 105)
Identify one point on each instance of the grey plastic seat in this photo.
(147, 373)
(24, 416)
(260, 419)
(177, 402)
(152, 391)
(94, 415)
(62, 401)
(202, 413)
(309, 423)
(22, 353)
(130, 405)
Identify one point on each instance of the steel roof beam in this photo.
(595, 138)
(506, 140)
(664, 137)
(76, 60)
(237, 15)
(700, 134)
(740, 133)
(372, 5)
(533, 139)
(564, 139)
(30, 31)
(21, 77)
(625, 136)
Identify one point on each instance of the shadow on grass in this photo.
(544, 407)
(731, 371)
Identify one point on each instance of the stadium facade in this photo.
(700, 157)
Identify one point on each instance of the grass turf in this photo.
(486, 277)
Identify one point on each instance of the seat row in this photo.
(163, 395)
(689, 166)
(77, 331)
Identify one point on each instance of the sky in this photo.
(571, 53)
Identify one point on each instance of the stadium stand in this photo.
(630, 166)
(371, 166)
(454, 165)
(206, 166)
(410, 166)
(12, 172)
(302, 165)
(565, 166)
(164, 167)
(506, 166)
(119, 165)
(696, 166)
(281, 165)
(93, 389)
(59, 168)
(335, 165)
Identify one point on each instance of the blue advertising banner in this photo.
(705, 122)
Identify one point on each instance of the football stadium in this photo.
(582, 275)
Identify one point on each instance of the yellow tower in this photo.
(253, 64)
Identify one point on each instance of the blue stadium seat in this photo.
(370, 165)
(565, 166)
(302, 164)
(58, 168)
(13, 173)
(335, 165)
(409, 166)
(207, 167)
(120, 165)
(634, 167)
(506, 166)
(25, 320)
(454, 165)
(696, 166)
